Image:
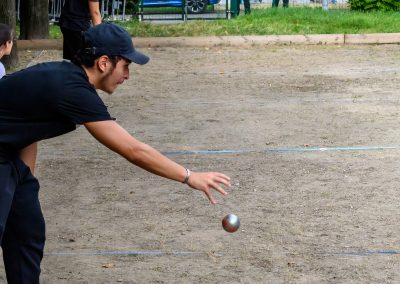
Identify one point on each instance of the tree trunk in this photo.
(34, 19)
(7, 16)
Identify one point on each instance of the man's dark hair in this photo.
(87, 59)
(5, 34)
(86, 56)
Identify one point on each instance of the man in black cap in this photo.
(51, 99)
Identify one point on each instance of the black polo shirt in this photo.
(75, 15)
(44, 101)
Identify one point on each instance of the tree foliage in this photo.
(375, 5)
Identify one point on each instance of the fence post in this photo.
(227, 10)
(141, 11)
(234, 9)
(184, 10)
(123, 10)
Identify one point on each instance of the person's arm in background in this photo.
(28, 155)
(94, 8)
(116, 138)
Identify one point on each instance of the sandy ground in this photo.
(307, 216)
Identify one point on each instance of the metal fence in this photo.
(110, 9)
(224, 9)
(184, 12)
(124, 10)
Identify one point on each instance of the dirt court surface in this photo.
(306, 216)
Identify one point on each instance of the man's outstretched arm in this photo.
(116, 138)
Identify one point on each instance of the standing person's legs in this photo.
(275, 3)
(246, 4)
(72, 42)
(24, 235)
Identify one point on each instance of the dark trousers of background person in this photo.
(246, 4)
(22, 226)
(72, 42)
(275, 3)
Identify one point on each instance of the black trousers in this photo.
(246, 4)
(22, 226)
(72, 42)
(285, 3)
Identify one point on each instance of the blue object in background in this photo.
(193, 6)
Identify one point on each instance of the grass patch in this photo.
(279, 21)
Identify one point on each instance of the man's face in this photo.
(113, 76)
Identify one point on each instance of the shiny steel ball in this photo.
(231, 223)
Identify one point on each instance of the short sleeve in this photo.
(82, 104)
(2, 70)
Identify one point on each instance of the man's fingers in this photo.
(218, 188)
(224, 179)
(206, 182)
(210, 197)
(221, 179)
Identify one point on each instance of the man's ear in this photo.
(103, 63)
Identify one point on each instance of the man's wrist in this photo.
(188, 173)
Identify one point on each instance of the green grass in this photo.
(272, 21)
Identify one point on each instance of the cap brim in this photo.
(137, 57)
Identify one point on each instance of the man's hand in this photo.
(206, 182)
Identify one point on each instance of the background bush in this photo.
(375, 5)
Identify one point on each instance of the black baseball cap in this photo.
(110, 39)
